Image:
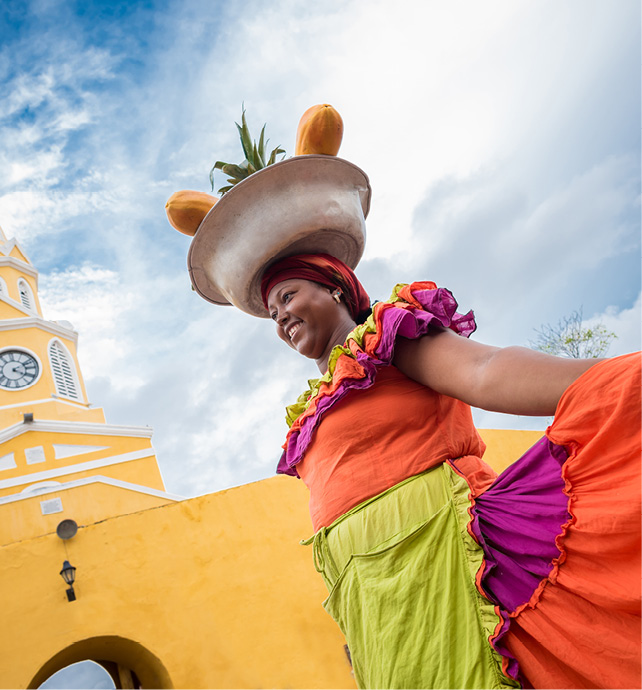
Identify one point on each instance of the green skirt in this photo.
(400, 569)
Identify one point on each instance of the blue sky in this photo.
(502, 140)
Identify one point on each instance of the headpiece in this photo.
(319, 268)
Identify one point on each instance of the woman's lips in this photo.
(293, 329)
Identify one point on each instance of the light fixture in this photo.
(68, 574)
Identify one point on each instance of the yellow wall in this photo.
(50, 409)
(504, 446)
(217, 589)
(88, 503)
(142, 471)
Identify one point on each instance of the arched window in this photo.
(64, 371)
(26, 296)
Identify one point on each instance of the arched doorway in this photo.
(129, 664)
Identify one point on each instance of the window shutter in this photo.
(63, 371)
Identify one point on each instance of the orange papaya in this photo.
(320, 131)
(186, 209)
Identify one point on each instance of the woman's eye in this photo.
(273, 316)
(287, 296)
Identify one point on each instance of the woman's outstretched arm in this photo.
(514, 380)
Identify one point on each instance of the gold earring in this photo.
(337, 297)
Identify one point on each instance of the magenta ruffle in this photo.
(397, 317)
(517, 522)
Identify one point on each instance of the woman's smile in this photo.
(308, 318)
(291, 330)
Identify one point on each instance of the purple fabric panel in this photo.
(517, 520)
(440, 310)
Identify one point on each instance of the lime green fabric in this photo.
(400, 569)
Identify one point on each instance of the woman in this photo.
(386, 445)
(440, 573)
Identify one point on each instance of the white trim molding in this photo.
(53, 398)
(33, 321)
(96, 479)
(90, 428)
(45, 475)
(19, 265)
(8, 462)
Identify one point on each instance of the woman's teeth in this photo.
(293, 329)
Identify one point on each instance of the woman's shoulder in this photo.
(412, 311)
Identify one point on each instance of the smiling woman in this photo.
(317, 298)
(439, 572)
(309, 318)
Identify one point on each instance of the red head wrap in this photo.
(318, 268)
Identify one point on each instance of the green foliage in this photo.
(569, 338)
(255, 157)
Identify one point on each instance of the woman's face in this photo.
(308, 318)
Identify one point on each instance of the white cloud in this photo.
(94, 300)
(625, 323)
(501, 139)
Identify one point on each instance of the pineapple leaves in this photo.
(258, 160)
(255, 157)
(274, 154)
(262, 144)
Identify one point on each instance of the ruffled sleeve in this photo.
(411, 312)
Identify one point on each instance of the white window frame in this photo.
(27, 296)
(63, 370)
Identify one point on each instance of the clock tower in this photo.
(38, 362)
(58, 456)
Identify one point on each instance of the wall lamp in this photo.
(68, 573)
(66, 530)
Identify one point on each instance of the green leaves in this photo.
(255, 156)
(572, 338)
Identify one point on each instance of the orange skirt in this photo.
(581, 627)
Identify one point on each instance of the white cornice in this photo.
(53, 398)
(17, 263)
(89, 428)
(96, 479)
(39, 322)
(35, 477)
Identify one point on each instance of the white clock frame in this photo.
(31, 353)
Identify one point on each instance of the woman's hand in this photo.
(514, 380)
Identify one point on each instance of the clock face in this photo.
(17, 369)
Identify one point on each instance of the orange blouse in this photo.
(375, 438)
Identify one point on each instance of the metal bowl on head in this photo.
(302, 205)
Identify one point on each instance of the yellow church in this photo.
(100, 563)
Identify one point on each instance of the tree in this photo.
(569, 338)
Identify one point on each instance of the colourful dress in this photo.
(441, 574)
